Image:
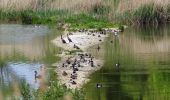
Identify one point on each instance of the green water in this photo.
(143, 54)
(144, 72)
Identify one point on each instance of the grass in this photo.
(86, 21)
(79, 21)
(146, 14)
(56, 91)
(97, 13)
(31, 17)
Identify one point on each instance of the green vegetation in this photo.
(2, 63)
(86, 21)
(25, 90)
(96, 14)
(148, 13)
(57, 91)
(30, 16)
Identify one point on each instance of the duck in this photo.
(98, 85)
(75, 46)
(63, 39)
(117, 64)
(69, 39)
(64, 73)
(37, 76)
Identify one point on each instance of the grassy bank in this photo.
(55, 91)
(97, 12)
(82, 20)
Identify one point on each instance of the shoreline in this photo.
(84, 63)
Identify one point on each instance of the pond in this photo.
(143, 54)
(23, 50)
(144, 57)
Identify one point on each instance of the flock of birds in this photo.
(75, 63)
(83, 58)
(90, 32)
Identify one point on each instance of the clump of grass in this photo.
(146, 14)
(32, 17)
(81, 21)
(2, 63)
(101, 9)
(25, 90)
(56, 91)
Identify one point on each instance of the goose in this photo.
(69, 39)
(75, 46)
(36, 76)
(63, 39)
(74, 83)
(64, 73)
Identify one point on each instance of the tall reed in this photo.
(126, 11)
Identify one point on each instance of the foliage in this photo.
(25, 90)
(78, 95)
(86, 21)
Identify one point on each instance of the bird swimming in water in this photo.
(98, 85)
(117, 64)
(36, 76)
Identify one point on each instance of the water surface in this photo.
(144, 57)
(23, 50)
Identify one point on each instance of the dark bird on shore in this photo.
(63, 65)
(68, 61)
(100, 40)
(36, 75)
(73, 76)
(64, 73)
(69, 39)
(99, 36)
(86, 54)
(75, 69)
(79, 65)
(63, 39)
(75, 46)
(92, 63)
(74, 83)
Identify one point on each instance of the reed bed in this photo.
(118, 11)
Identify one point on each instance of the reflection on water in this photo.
(22, 38)
(23, 49)
(144, 57)
(25, 71)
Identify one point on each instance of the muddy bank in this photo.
(74, 69)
